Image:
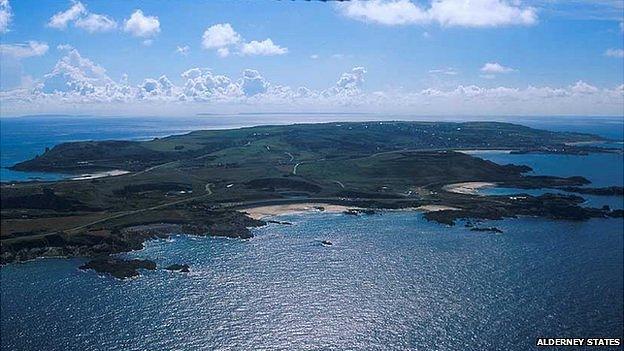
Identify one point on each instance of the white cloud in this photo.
(583, 88)
(349, 84)
(464, 13)
(78, 85)
(73, 73)
(83, 19)
(481, 13)
(61, 19)
(618, 53)
(19, 51)
(391, 12)
(96, 23)
(12, 73)
(314, 56)
(203, 85)
(253, 83)
(142, 26)
(262, 48)
(152, 87)
(220, 35)
(223, 38)
(5, 15)
(183, 50)
(494, 67)
(223, 52)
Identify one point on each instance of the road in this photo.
(295, 168)
(157, 207)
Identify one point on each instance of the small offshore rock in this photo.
(178, 267)
(487, 229)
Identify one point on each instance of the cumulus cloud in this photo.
(349, 83)
(464, 13)
(5, 15)
(223, 38)
(93, 23)
(78, 85)
(142, 26)
(74, 74)
(82, 18)
(253, 83)
(220, 35)
(583, 88)
(495, 67)
(61, 19)
(618, 53)
(19, 51)
(203, 85)
(262, 48)
(155, 87)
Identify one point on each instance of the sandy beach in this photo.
(485, 151)
(262, 212)
(434, 208)
(113, 173)
(468, 187)
(276, 210)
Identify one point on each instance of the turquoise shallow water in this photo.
(389, 282)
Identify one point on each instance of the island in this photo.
(203, 182)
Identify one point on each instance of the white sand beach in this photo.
(467, 187)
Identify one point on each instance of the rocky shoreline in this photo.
(118, 240)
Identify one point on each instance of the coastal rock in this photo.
(358, 211)
(277, 222)
(178, 267)
(606, 191)
(486, 229)
(117, 267)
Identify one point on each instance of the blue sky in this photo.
(414, 56)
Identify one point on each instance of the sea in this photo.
(390, 281)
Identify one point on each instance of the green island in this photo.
(206, 183)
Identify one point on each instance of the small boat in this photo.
(326, 243)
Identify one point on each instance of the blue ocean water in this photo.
(390, 282)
